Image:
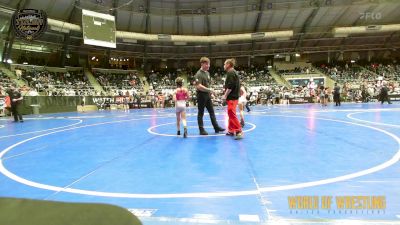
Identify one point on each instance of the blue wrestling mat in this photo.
(297, 164)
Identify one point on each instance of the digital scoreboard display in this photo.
(98, 29)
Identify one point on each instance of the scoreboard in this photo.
(98, 29)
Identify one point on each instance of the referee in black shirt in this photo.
(204, 97)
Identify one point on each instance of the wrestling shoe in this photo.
(239, 136)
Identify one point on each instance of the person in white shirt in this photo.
(242, 102)
(33, 92)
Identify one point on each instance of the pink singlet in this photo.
(181, 97)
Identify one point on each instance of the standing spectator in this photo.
(138, 100)
(242, 102)
(160, 100)
(248, 101)
(16, 102)
(322, 95)
(384, 94)
(336, 94)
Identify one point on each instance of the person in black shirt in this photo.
(384, 94)
(232, 93)
(248, 101)
(138, 100)
(202, 81)
(16, 102)
(336, 94)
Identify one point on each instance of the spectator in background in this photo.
(242, 102)
(336, 94)
(18, 73)
(248, 101)
(16, 102)
(160, 100)
(384, 94)
(322, 98)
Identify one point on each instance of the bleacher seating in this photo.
(53, 81)
(117, 82)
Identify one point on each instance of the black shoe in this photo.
(21, 121)
(203, 132)
(229, 134)
(242, 123)
(219, 129)
(178, 133)
(185, 133)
